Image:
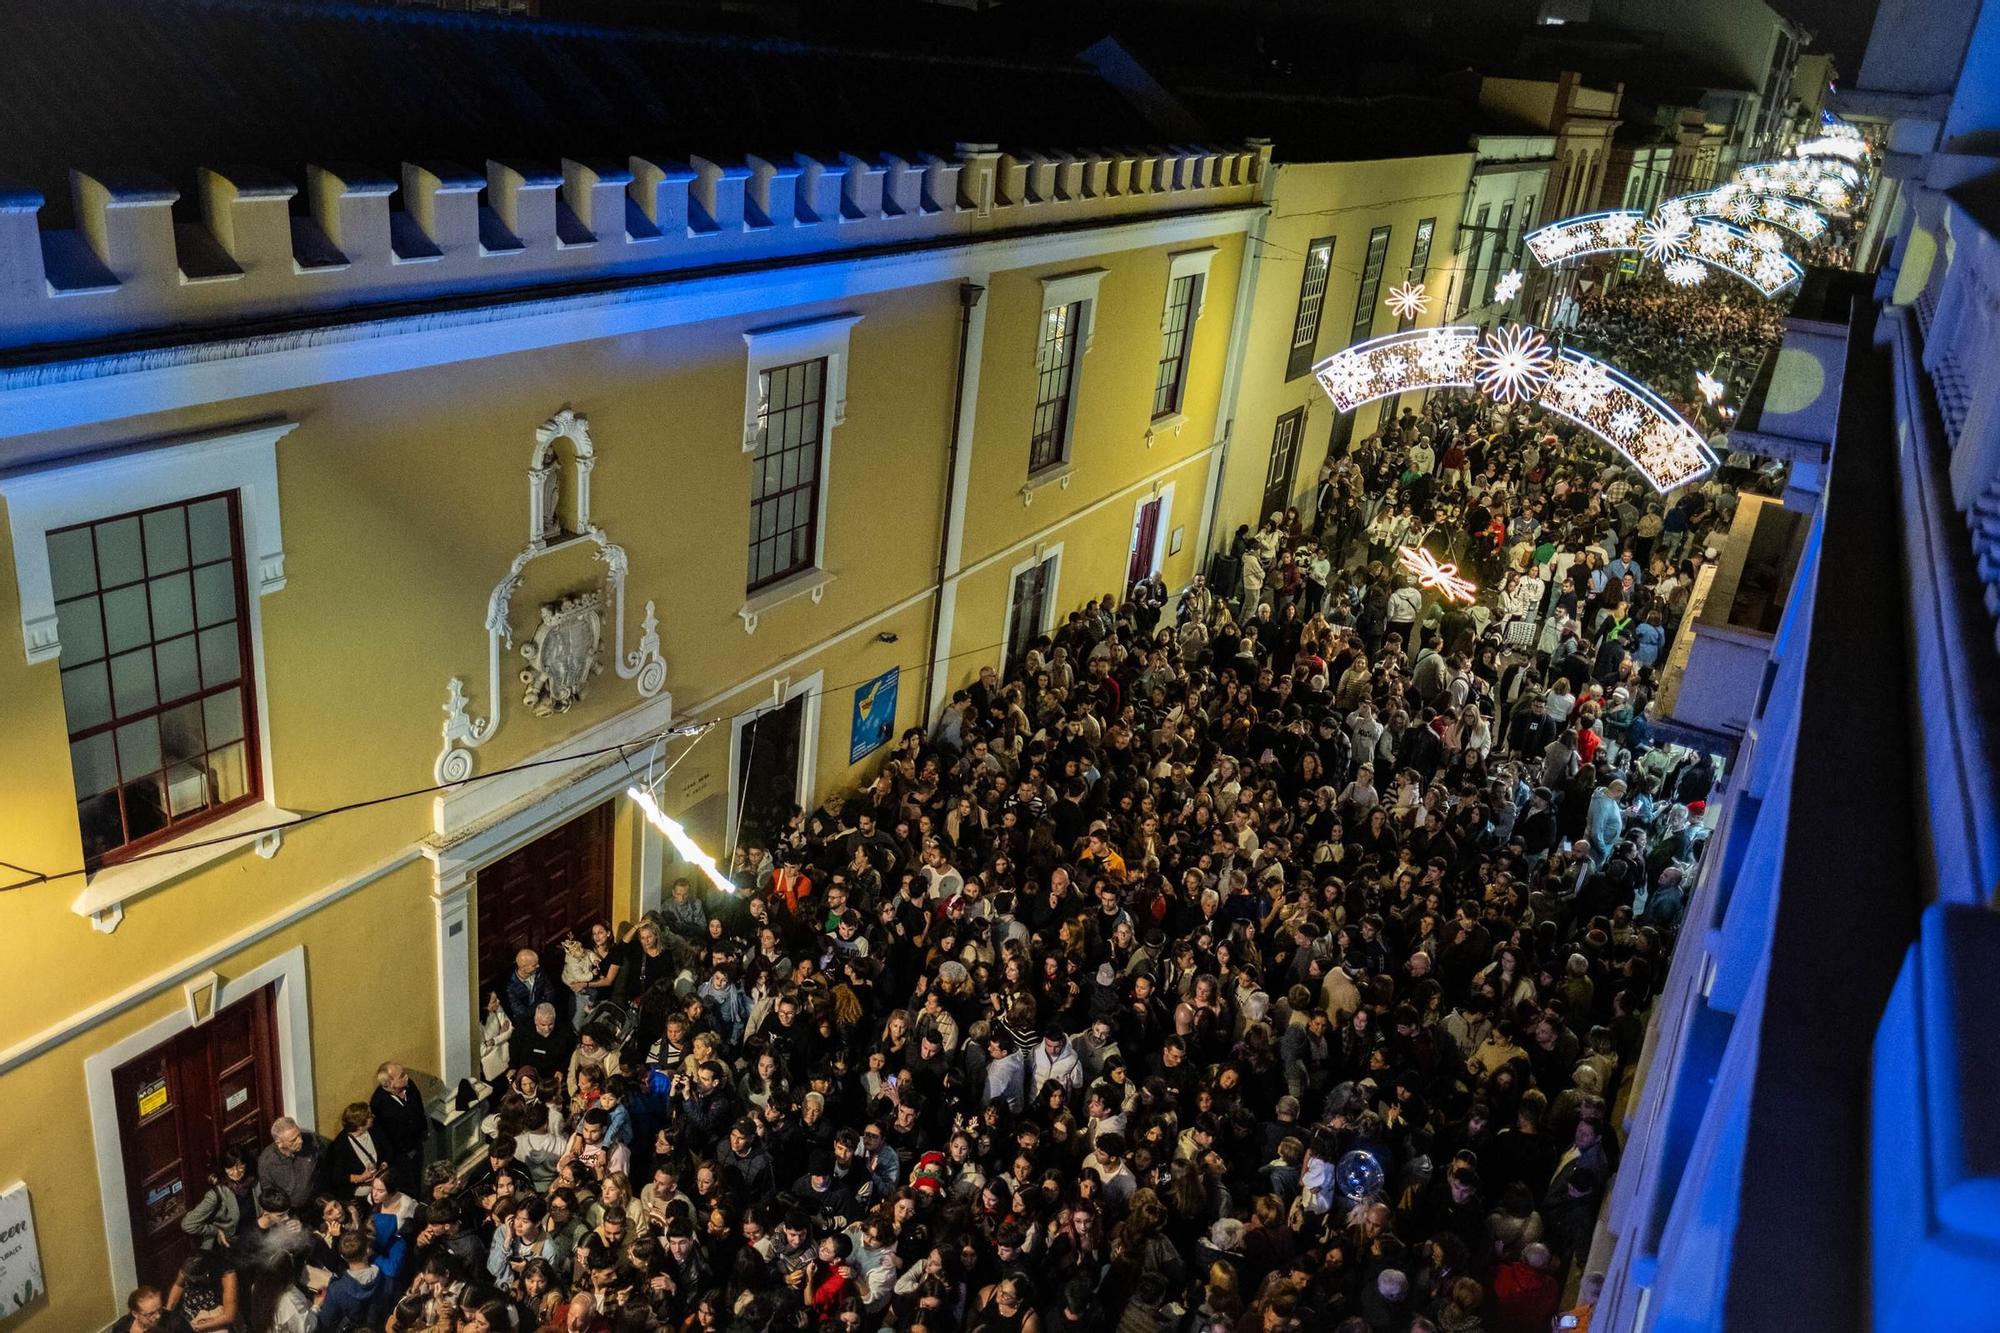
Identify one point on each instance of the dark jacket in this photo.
(355, 1301)
(297, 1175)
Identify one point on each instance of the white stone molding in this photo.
(1068, 288)
(1183, 264)
(117, 481)
(784, 344)
(465, 732)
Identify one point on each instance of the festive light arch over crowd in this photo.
(1517, 364)
(1747, 207)
(1668, 237)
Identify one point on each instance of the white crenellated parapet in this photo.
(363, 235)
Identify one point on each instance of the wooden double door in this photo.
(179, 1105)
(533, 897)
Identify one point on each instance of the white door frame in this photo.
(1042, 554)
(1165, 495)
(784, 690)
(292, 1019)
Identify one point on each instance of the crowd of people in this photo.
(1662, 334)
(1261, 960)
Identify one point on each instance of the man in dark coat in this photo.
(402, 1125)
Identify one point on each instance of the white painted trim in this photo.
(784, 344)
(115, 481)
(1069, 288)
(1043, 553)
(960, 483)
(294, 1032)
(1247, 276)
(807, 687)
(120, 385)
(1183, 264)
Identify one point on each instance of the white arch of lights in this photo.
(1841, 146)
(1742, 205)
(1824, 181)
(1604, 400)
(1723, 245)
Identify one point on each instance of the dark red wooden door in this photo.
(179, 1105)
(532, 898)
(1145, 535)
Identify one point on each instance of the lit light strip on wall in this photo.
(690, 851)
(1597, 396)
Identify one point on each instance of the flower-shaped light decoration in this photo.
(1348, 380)
(1685, 271)
(1625, 422)
(1508, 286)
(1618, 229)
(1772, 271)
(1711, 239)
(1710, 386)
(1431, 574)
(1766, 238)
(1581, 386)
(1740, 208)
(1440, 356)
(1514, 364)
(1663, 236)
(1408, 300)
(1392, 367)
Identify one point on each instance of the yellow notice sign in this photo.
(152, 1097)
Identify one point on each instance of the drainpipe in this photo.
(1232, 367)
(951, 531)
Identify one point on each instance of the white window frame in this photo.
(1043, 554)
(1079, 288)
(770, 348)
(62, 494)
(1183, 264)
(783, 691)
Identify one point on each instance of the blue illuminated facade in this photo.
(1814, 1142)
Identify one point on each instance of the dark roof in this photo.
(163, 87)
(1304, 128)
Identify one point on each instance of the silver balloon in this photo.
(1358, 1175)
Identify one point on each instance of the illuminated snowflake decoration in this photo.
(1618, 229)
(1772, 272)
(1441, 356)
(1431, 574)
(1408, 300)
(1710, 386)
(1663, 237)
(1685, 271)
(1625, 422)
(1582, 386)
(1509, 285)
(1348, 379)
(1740, 208)
(1742, 255)
(1514, 364)
(1712, 239)
(1391, 367)
(1766, 238)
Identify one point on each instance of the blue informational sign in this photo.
(874, 715)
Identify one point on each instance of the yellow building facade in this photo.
(1339, 237)
(488, 488)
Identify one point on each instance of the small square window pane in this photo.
(92, 765)
(221, 655)
(132, 683)
(173, 604)
(119, 559)
(223, 714)
(180, 676)
(82, 628)
(812, 421)
(139, 747)
(72, 563)
(126, 622)
(86, 697)
(229, 771)
(180, 733)
(187, 791)
(815, 373)
(788, 475)
(166, 540)
(208, 529)
(795, 387)
(214, 593)
(808, 464)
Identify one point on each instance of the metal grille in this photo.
(1312, 299)
(1055, 364)
(155, 670)
(785, 471)
(1176, 332)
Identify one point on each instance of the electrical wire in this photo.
(695, 730)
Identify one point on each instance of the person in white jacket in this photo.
(1055, 1060)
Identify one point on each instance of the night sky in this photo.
(1839, 26)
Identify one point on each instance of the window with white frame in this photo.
(1062, 339)
(1187, 278)
(140, 573)
(1312, 300)
(795, 393)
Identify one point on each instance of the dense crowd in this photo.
(1264, 959)
(1662, 334)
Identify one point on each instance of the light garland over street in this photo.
(1713, 241)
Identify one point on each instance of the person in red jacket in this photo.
(1526, 1295)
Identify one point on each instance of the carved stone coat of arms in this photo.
(562, 655)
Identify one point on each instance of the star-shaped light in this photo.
(1514, 364)
(1685, 271)
(1663, 236)
(1710, 386)
(1509, 285)
(1409, 300)
(1431, 574)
